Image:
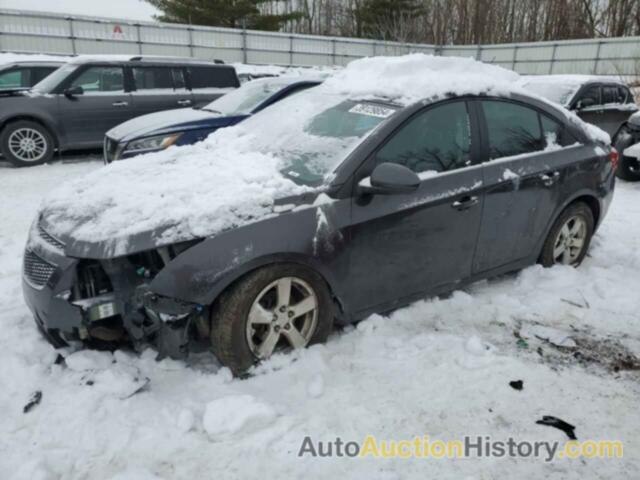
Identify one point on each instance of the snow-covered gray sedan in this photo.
(395, 179)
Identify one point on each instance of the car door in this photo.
(157, 88)
(210, 82)
(615, 109)
(524, 153)
(588, 104)
(407, 244)
(102, 104)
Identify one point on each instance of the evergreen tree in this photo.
(222, 13)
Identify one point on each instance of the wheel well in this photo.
(27, 118)
(592, 203)
(339, 306)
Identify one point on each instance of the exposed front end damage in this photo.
(108, 302)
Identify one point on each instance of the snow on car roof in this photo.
(234, 176)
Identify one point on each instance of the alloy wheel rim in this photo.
(27, 145)
(284, 314)
(570, 241)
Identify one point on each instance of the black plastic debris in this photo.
(35, 399)
(516, 384)
(559, 424)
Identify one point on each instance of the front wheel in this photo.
(570, 236)
(274, 308)
(25, 143)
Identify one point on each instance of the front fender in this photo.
(313, 236)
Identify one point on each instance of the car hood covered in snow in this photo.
(158, 122)
(234, 177)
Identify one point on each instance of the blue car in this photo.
(186, 126)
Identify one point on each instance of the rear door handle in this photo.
(120, 104)
(548, 179)
(465, 202)
(184, 102)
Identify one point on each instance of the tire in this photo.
(25, 143)
(235, 340)
(559, 247)
(629, 169)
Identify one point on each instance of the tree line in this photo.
(440, 22)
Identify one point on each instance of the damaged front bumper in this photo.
(109, 301)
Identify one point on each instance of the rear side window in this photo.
(153, 78)
(436, 140)
(100, 79)
(556, 134)
(213, 77)
(513, 129)
(611, 94)
(40, 73)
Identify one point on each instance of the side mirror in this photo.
(73, 91)
(585, 103)
(389, 179)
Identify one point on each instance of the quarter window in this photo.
(100, 79)
(14, 79)
(555, 133)
(437, 140)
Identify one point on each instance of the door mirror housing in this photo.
(73, 91)
(389, 179)
(585, 103)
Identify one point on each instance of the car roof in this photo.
(34, 63)
(571, 79)
(141, 59)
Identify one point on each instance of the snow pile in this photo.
(394, 377)
(236, 414)
(411, 78)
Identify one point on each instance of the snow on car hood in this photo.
(153, 121)
(178, 194)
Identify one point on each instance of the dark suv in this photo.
(75, 106)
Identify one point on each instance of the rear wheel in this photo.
(629, 169)
(274, 308)
(25, 143)
(570, 236)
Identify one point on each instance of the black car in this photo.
(75, 106)
(24, 75)
(627, 142)
(157, 131)
(326, 207)
(602, 101)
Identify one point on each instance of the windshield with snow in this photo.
(557, 92)
(312, 133)
(246, 98)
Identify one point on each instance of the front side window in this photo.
(100, 79)
(436, 140)
(213, 77)
(513, 129)
(14, 78)
(590, 97)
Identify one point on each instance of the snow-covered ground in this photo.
(440, 367)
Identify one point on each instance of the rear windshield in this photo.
(213, 77)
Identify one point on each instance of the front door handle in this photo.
(550, 178)
(184, 103)
(120, 104)
(465, 202)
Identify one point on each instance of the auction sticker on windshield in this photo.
(372, 110)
